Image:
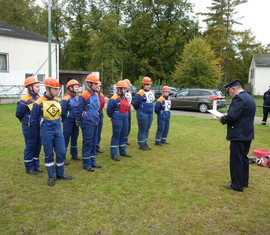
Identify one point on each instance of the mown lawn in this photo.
(174, 189)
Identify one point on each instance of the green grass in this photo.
(174, 189)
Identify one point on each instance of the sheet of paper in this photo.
(215, 112)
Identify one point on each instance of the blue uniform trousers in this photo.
(144, 124)
(32, 147)
(120, 128)
(71, 132)
(162, 131)
(53, 140)
(89, 133)
(129, 124)
(99, 130)
(239, 165)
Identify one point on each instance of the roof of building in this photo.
(262, 60)
(13, 32)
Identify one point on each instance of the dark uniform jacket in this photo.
(266, 98)
(240, 118)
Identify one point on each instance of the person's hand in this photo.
(219, 118)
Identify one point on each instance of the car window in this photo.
(182, 93)
(205, 93)
(194, 93)
(218, 93)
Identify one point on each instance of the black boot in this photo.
(126, 155)
(89, 168)
(116, 158)
(76, 158)
(64, 177)
(31, 172)
(66, 162)
(51, 181)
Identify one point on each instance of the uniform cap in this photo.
(232, 84)
(51, 82)
(147, 80)
(72, 82)
(166, 88)
(128, 82)
(121, 84)
(30, 80)
(92, 78)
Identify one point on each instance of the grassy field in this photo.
(174, 189)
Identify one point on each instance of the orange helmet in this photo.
(51, 82)
(121, 84)
(147, 80)
(99, 83)
(30, 80)
(72, 82)
(127, 82)
(92, 78)
(166, 88)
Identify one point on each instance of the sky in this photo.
(255, 13)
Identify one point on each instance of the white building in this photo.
(23, 54)
(259, 74)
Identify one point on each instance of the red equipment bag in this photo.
(260, 153)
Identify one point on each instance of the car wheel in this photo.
(203, 108)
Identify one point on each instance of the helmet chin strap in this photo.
(71, 90)
(31, 89)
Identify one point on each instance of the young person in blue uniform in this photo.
(129, 98)
(117, 110)
(69, 106)
(46, 114)
(240, 131)
(31, 135)
(88, 118)
(162, 109)
(101, 117)
(143, 104)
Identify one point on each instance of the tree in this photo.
(221, 35)
(198, 66)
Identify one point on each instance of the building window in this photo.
(252, 73)
(3, 62)
(27, 75)
(41, 77)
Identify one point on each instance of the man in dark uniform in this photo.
(240, 131)
(266, 102)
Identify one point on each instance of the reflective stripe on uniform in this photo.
(49, 164)
(114, 146)
(28, 160)
(60, 164)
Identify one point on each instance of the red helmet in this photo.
(121, 84)
(92, 78)
(147, 80)
(30, 80)
(51, 82)
(128, 82)
(166, 88)
(72, 82)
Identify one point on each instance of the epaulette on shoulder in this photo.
(115, 97)
(141, 92)
(67, 97)
(41, 99)
(26, 97)
(161, 99)
(86, 95)
(57, 99)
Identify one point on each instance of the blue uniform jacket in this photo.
(69, 106)
(240, 118)
(162, 108)
(143, 101)
(23, 108)
(88, 106)
(37, 118)
(117, 104)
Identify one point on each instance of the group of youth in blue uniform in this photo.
(41, 119)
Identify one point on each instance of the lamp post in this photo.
(49, 39)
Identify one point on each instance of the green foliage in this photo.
(198, 66)
(173, 189)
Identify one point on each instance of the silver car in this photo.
(197, 99)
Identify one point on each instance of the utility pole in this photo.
(49, 38)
